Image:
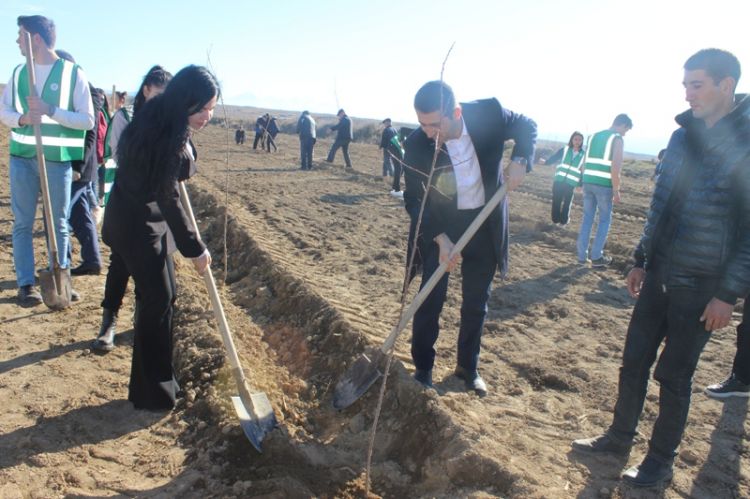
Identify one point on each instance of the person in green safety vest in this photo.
(568, 161)
(393, 151)
(64, 111)
(601, 188)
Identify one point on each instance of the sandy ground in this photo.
(314, 270)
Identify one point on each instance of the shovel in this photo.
(55, 283)
(365, 371)
(254, 409)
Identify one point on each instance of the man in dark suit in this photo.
(467, 172)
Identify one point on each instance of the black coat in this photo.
(704, 233)
(489, 126)
(343, 129)
(139, 215)
(88, 167)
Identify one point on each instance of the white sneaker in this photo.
(397, 194)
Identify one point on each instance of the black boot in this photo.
(105, 340)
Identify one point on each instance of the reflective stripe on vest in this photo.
(598, 165)
(107, 149)
(569, 169)
(60, 143)
(110, 171)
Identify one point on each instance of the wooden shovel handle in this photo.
(51, 233)
(440, 271)
(213, 293)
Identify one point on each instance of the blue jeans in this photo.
(24, 191)
(670, 316)
(595, 198)
(387, 164)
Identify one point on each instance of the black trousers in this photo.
(741, 366)
(670, 316)
(478, 267)
(344, 145)
(562, 196)
(270, 142)
(152, 382)
(306, 146)
(397, 169)
(116, 283)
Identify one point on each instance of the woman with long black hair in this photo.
(144, 220)
(116, 284)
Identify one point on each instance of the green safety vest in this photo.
(60, 143)
(110, 166)
(395, 143)
(598, 165)
(107, 149)
(569, 169)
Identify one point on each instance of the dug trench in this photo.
(294, 346)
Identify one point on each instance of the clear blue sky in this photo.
(570, 65)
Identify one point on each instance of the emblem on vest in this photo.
(54, 87)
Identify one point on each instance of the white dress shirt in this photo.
(469, 186)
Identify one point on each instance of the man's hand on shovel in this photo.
(201, 263)
(446, 246)
(37, 108)
(514, 174)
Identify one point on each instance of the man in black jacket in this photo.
(344, 136)
(691, 265)
(468, 171)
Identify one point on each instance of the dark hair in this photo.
(717, 63)
(105, 101)
(64, 54)
(623, 119)
(157, 76)
(572, 136)
(39, 25)
(156, 138)
(121, 95)
(435, 96)
(661, 154)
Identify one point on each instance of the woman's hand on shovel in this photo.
(201, 263)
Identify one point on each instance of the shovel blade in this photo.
(356, 380)
(256, 417)
(55, 288)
